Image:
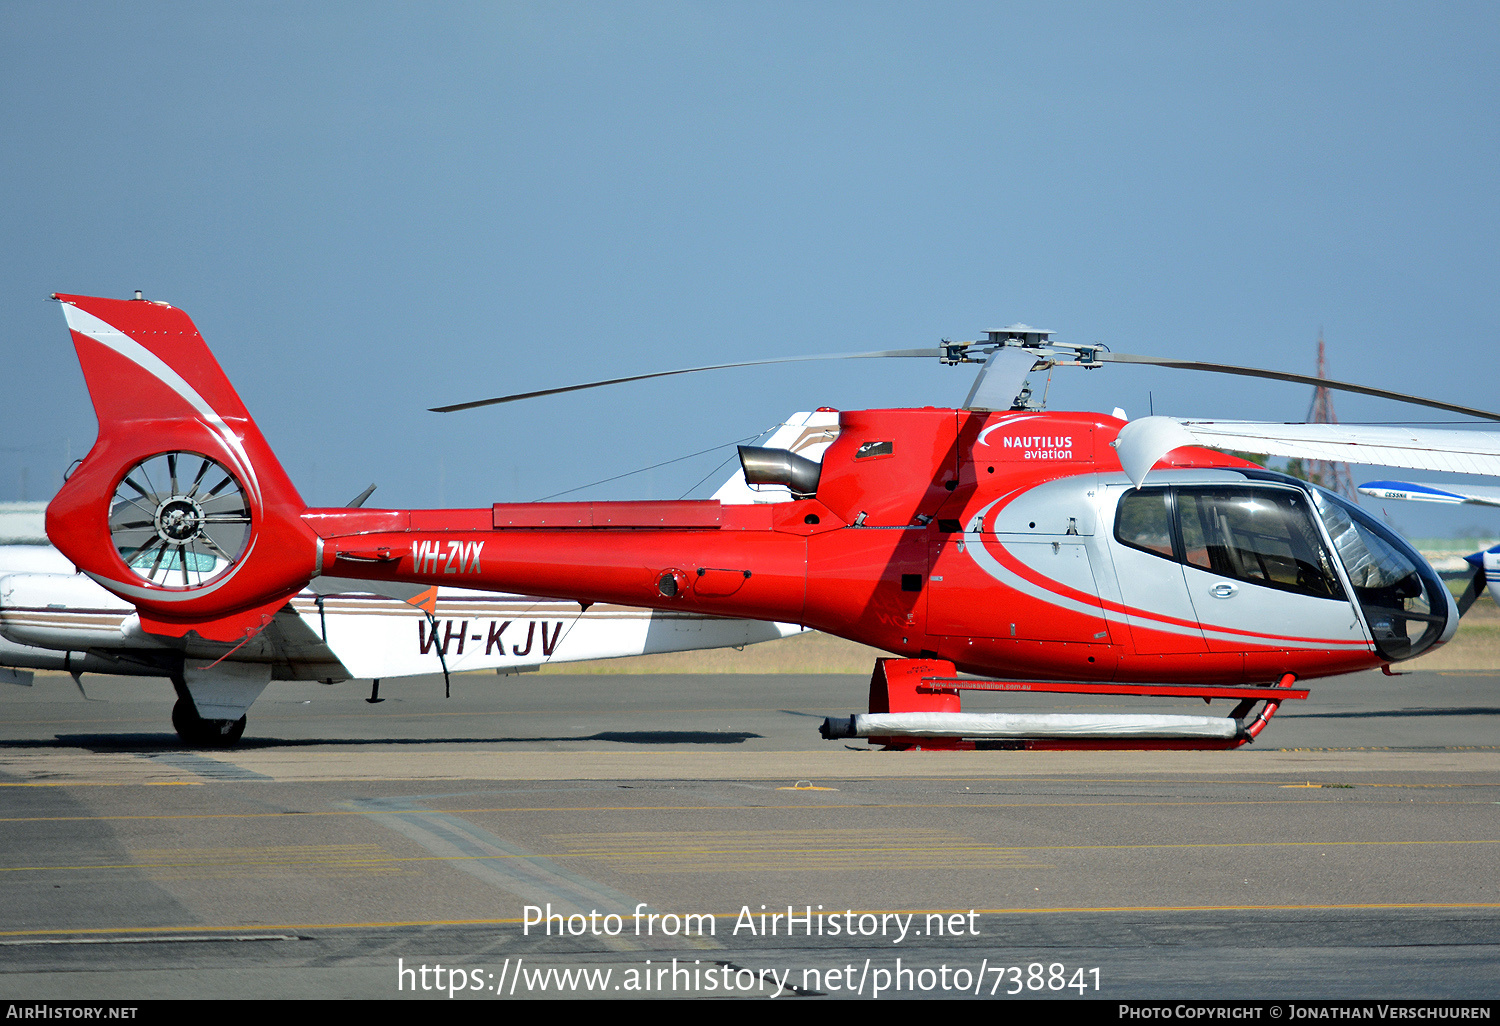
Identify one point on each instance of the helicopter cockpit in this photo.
(1290, 542)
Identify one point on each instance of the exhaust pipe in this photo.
(781, 467)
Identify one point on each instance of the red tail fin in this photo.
(180, 507)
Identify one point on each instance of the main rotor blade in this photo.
(1299, 379)
(926, 354)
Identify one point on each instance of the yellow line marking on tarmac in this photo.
(728, 808)
(1012, 849)
(966, 781)
(351, 862)
(199, 929)
(1170, 777)
(605, 855)
(105, 930)
(1162, 781)
(733, 808)
(1395, 748)
(113, 783)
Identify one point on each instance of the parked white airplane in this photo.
(53, 618)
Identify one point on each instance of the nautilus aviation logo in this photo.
(1015, 439)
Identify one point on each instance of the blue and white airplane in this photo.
(1415, 491)
(1486, 563)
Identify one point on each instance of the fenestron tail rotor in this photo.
(179, 519)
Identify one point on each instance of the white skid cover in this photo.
(806, 434)
(374, 636)
(1142, 442)
(1039, 725)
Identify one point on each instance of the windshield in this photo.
(1402, 598)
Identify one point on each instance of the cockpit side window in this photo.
(1144, 521)
(1261, 536)
(1265, 536)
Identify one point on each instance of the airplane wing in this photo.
(1416, 491)
(1143, 442)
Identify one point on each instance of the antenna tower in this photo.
(1333, 476)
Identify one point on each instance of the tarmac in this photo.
(349, 849)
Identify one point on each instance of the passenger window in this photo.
(1144, 522)
(1264, 537)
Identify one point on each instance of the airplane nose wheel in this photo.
(197, 732)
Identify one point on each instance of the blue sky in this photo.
(370, 209)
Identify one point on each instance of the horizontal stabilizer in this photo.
(235, 627)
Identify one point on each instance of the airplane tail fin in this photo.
(180, 506)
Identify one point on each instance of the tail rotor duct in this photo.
(179, 519)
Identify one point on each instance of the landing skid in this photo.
(914, 705)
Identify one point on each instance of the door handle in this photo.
(1223, 590)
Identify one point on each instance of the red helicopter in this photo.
(1040, 551)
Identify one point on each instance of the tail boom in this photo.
(740, 567)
